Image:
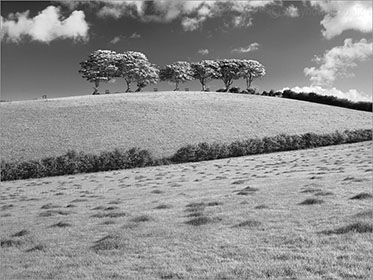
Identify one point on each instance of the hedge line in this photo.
(328, 100)
(312, 97)
(73, 162)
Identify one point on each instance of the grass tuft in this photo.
(61, 225)
(49, 206)
(323, 193)
(214, 203)
(358, 227)
(361, 196)
(142, 218)
(38, 247)
(50, 213)
(261, 206)
(249, 223)
(21, 233)
(163, 206)
(311, 201)
(108, 243)
(365, 214)
(109, 215)
(199, 221)
(5, 243)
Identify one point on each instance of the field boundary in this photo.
(73, 162)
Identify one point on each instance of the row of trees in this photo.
(134, 67)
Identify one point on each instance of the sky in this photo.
(319, 46)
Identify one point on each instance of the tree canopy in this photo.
(251, 69)
(98, 67)
(177, 73)
(205, 71)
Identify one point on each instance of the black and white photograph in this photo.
(182, 139)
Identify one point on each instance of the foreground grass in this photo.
(159, 122)
(239, 218)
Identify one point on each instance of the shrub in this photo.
(221, 90)
(235, 90)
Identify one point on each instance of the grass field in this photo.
(159, 122)
(294, 215)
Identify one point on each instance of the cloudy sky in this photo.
(320, 46)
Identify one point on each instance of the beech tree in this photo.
(99, 67)
(129, 64)
(178, 72)
(228, 70)
(205, 71)
(146, 74)
(251, 69)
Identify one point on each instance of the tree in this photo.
(228, 70)
(129, 64)
(99, 67)
(204, 71)
(251, 69)
(146, 74)
(177, 73)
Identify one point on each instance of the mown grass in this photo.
(159, 122)
(208, 233)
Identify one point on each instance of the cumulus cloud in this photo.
(47, 26)
(135, 35)
(292, 11)
(203, 51)
(192, 13)
(250, 48)
(351, 94)
(115, 40)
(338, 61)
(345, 15)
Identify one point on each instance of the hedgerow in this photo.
(73, 162)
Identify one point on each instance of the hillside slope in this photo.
(159, 122)
(239, 218)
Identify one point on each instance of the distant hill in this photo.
(160, 122)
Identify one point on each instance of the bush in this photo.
(221, 90)
(251, 91)
(205, 151)
(235, 90)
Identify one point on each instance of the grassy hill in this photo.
(159, 122)
(303, 214)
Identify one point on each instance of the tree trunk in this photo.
(203, 83)
(227, 84)
(249, 80)
(177, 86)
(128, 86)
(95, 88)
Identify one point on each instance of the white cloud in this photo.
(135, 35)
(191, 24)
(351, 94)
(203, 51)
(345, 15)
(47, 26)
(115, 40)
(338, 61)
(192, 13)
(250, 48)
(292, 11)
